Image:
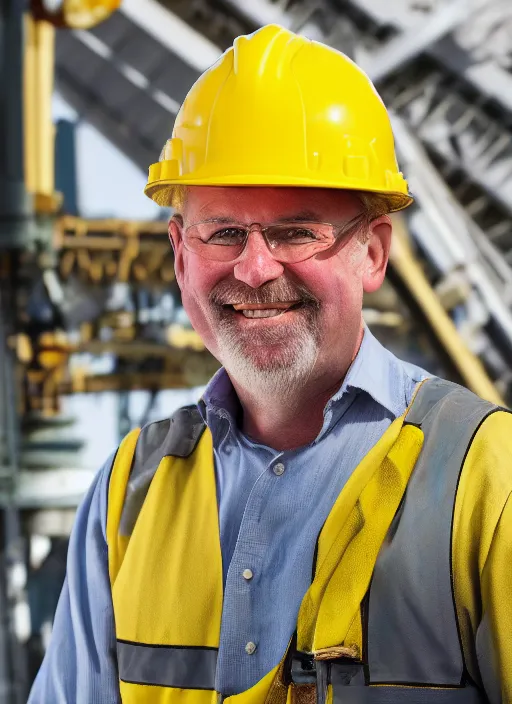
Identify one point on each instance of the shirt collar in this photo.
(378, 372)
(219, 398)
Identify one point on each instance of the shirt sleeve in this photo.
(80, 666)
(494, 633)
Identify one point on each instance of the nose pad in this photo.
(256, 265)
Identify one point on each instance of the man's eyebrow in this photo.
(222, 219)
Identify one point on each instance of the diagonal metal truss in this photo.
(123, 81)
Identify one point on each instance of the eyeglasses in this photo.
(289, 242)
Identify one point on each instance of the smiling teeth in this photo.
(263, 312)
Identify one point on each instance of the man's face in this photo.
(275, 325)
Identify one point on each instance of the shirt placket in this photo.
(241, 648)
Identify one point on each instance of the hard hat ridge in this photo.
(270, 48)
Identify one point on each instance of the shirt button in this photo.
(250, 647)
(247, 574)
(279, 469)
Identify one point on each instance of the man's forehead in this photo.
(277, 203)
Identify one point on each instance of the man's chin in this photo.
(271, 369)
(270, 351)
(260, 364)
(264, 380)
(268, 358)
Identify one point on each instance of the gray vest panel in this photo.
(413, 632)
(177, 436)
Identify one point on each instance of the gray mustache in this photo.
(272, 292)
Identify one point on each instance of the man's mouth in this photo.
(265, 310)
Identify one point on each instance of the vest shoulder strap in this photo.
(176, 436)
(438, 395)
(412, 582)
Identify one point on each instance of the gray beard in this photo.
(292, 354)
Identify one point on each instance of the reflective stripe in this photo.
(167, 666)
(412, 624)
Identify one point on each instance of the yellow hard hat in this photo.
(280, 110)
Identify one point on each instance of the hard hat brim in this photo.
(162, 192)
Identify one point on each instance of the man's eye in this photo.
(297, 235)
(227, 236)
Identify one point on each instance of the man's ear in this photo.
(175, 230)
(379, 244)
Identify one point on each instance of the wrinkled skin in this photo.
(296, 359)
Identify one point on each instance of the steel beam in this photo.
(170, 31)
(487, 77)
(414, 41)
(140, 120)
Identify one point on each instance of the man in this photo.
(328, 522)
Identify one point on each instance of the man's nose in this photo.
(256, 266)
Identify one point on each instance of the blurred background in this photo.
(93, 337)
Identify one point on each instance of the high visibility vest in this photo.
(378, 624)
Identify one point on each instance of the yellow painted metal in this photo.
(468, 365)
(45, 38)
(38, 124)
(280, 110)
(83, 14)
(101, 250)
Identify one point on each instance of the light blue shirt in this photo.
(269, 523)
